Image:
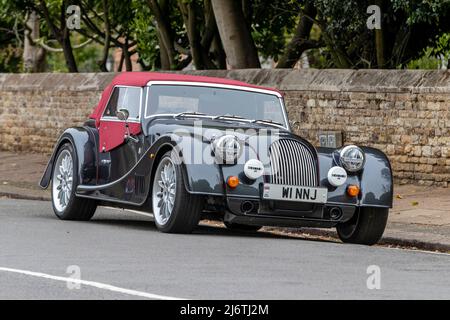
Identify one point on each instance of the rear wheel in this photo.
(365, 227)
(175, 210)
(241, 227)
(64, 181)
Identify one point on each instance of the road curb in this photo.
(427, 246)
(385, 241)
(13, 195)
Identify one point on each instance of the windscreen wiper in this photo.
(189, 113)
(268, 121)
(227, 116)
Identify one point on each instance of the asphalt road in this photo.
(121, 255)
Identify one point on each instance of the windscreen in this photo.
(173, 99)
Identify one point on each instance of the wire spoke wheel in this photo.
(164, 191)
(65, 203)
(175, 210)
(62, 180)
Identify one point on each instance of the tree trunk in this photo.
(64, 39)
(188, 11)
(102, 63)
(165, 31)
(236, 38)
(122, 57)
(248, 12)
(163, 54)
(126, 55)
(379, 41)
(218, 52)
(61, 34)
(33, 55)
(68, 52)
(300, 41)
(379, 45)
(210, 25)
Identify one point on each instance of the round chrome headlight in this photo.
(226, 148)
(352, 158)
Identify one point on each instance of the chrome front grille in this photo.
(292, 163)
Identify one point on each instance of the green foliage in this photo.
(442, 47)
(416, 33)
(86, 57)
(145, 34)
(10, 58)
(421, 11)
(145, 31)
(10, 42)
(433, 56)
(408, 28)
(343, 25)
(273, 22)
(424, 62)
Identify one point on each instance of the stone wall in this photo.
(404, 113)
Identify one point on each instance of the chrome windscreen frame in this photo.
(215, 85)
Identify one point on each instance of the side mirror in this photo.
(122, 114)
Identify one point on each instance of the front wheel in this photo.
(66, 205)
(175, 210)
(365, 227)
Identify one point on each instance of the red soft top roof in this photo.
(140, 79)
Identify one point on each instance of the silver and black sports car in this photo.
(180, 146)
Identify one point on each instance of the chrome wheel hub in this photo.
(164, 189)
(62, 180)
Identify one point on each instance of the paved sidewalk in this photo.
(420, 217)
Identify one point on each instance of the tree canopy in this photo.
(219, 34)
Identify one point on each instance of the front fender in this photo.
(375, 180)
(203, 174)
(84, 141)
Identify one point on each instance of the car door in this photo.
(119, 154)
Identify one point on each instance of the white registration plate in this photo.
(294, 193)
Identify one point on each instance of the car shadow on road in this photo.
(217, 230)
(203, 229)
(126, 223)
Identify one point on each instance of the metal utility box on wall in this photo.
(330, 139)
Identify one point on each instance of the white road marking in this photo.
(98, 285)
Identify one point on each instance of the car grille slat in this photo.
(296, 168)
(292, 163)
(274, 162)
(286, 155)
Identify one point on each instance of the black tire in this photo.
(365, 227)
(80, 209)
(187, 207)
(241, 227)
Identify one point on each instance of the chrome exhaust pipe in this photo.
(335, 213)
